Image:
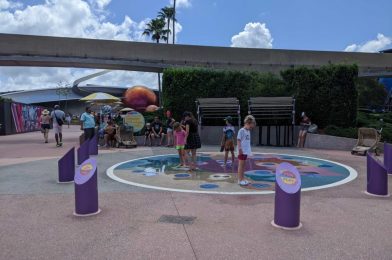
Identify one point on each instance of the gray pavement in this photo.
(37, 222)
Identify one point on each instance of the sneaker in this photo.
(58, 145)
(61, 144)
(244, 183)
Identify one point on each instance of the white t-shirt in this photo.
(244, 137)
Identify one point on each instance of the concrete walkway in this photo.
(37, 222)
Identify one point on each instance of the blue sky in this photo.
(333, 25)
(294, 24)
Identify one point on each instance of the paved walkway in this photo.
(37, 222)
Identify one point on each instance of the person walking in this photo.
(58, 117)
(68, 119)
(45, 124)
(87, 124)
(192, 138)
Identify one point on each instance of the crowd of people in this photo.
(182, 135)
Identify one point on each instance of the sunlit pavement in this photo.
(37, 221)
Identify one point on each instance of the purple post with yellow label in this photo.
(377, 177)
(66, 167)
(287, 197)
(86, 189)
(93, 145)
(388, 157)
(84, 152)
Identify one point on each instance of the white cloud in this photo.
(100, 3)
(378, 44)
(73, 18)
(254, 35)
(22, 78)
(5, 4)
(182, 3)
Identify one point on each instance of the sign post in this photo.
(83, 151)
(93, 145)
(66, 167)
(388, 157)
(86, 189)
(377, 178)
(134, 119)
(287, 197)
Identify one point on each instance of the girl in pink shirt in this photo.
(179, 142)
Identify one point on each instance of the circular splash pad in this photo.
(211, 172)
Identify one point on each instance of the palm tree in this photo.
(155, 29)
(167, 13)
(174, 21)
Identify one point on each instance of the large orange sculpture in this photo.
(139, 98)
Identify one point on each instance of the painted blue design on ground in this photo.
(260, 185)
(209, 186)
(182, 175)
(325, 166)
(260, 175)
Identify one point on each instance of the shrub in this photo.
(328, 94)
(371, 94)
(181, 87)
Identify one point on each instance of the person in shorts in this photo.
(244, 148)
(179, 142)
(169, 128)
(227, 143)
(304, 127)
(157, 130)
(87, 124)
(109, 134)
(45, 124)
(147, 134)
(58, 117)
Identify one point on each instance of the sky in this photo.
(330, 25)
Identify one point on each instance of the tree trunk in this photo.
(174, 23)
(159, 90)
(168, 32)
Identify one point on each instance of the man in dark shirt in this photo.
(157, 129)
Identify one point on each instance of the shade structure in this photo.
(126, 109)
(100, 98)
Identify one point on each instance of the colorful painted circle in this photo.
(260, 170)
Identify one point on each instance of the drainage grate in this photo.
(176, 219)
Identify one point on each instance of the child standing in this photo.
(179, 142)
(227, 143)
(243, 146)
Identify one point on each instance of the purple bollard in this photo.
(83, 152)
(388, 157)
(93, 145)
(86, 189)
(66, 166)
(287, 197)
(377, 178)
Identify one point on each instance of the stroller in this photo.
(124, 136)
(368, 139)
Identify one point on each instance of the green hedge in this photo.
(327, 94)
(181, 87)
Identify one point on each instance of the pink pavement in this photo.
(338, 223)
